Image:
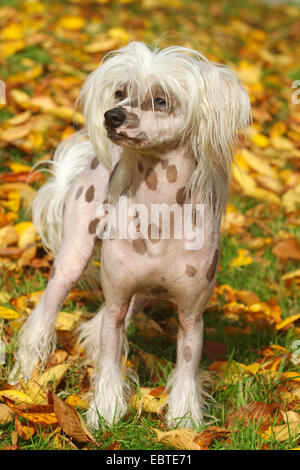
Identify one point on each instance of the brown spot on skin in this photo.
(172, 173)
(89, 195)
(52, 274)
(139, 246)
(132, 121)
(180, 196)
(159, 290)
(94, 163)
(78, 193)
(153, 231)
(187, 353)
(190, 270)
(140, 166)
(151, 179)
(93, 226)
(212, 269)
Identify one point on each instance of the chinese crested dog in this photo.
(161, 126)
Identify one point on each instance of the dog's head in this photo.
(150, 121)
(143, 99)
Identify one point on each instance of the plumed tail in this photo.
(70, 159)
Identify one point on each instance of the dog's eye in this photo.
(120, 95)
(160, 103)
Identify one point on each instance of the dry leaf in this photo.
(6, 414)
(70, 421)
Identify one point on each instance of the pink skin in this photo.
(132, 272)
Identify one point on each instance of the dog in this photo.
(161, 126)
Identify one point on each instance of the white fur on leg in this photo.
(110, 394)
(37, 340)
(89, 336)
(185, 401)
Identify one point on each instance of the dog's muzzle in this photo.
(114, 117)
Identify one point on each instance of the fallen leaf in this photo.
(287, 249)
(6, 414)
(70, 421)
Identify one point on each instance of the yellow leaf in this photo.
(250, 73)
(8, 236)
(34, 391)
(260, 140)
(27, 75)
(74, 400)
(183, 439)
(15, 133)
(16, 396)
(281, 143)
(147, 402)
(4, 297)
(18, 119)
(12, 32)
(278, 129)
(71, 22)
(243, 259)
(8, 313)
(27, 233)
(19, 167)
(121, 34)
(287, 322)
(54, 374)
(258, 164)
(291, 199)
(67, 321)
(20, 97)
(10, 48)
(101, 45)
(247, 183)
(282, 432)
(291, 275)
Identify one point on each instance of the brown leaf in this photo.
(257, 411)
(42, 415)
(210, 434)
(6, 414)
(287, 249)
(70, 421)
(24, 431)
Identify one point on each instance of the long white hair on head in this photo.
(213, 104)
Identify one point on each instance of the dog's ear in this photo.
(95, 98)
(223, 108)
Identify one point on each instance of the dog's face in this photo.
(151, 122)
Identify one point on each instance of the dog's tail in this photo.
(69, 160)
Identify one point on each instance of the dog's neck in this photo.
(159, 178)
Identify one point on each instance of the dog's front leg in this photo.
(110, 392)
(37, 338)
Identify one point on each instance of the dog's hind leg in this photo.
(37, 336)
(89, 333)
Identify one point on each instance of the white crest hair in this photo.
(211, 99)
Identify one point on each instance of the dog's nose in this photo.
(114, 117)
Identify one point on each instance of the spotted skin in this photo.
(151, 179)
(172, 174)
(78, 193)
(89, 195)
